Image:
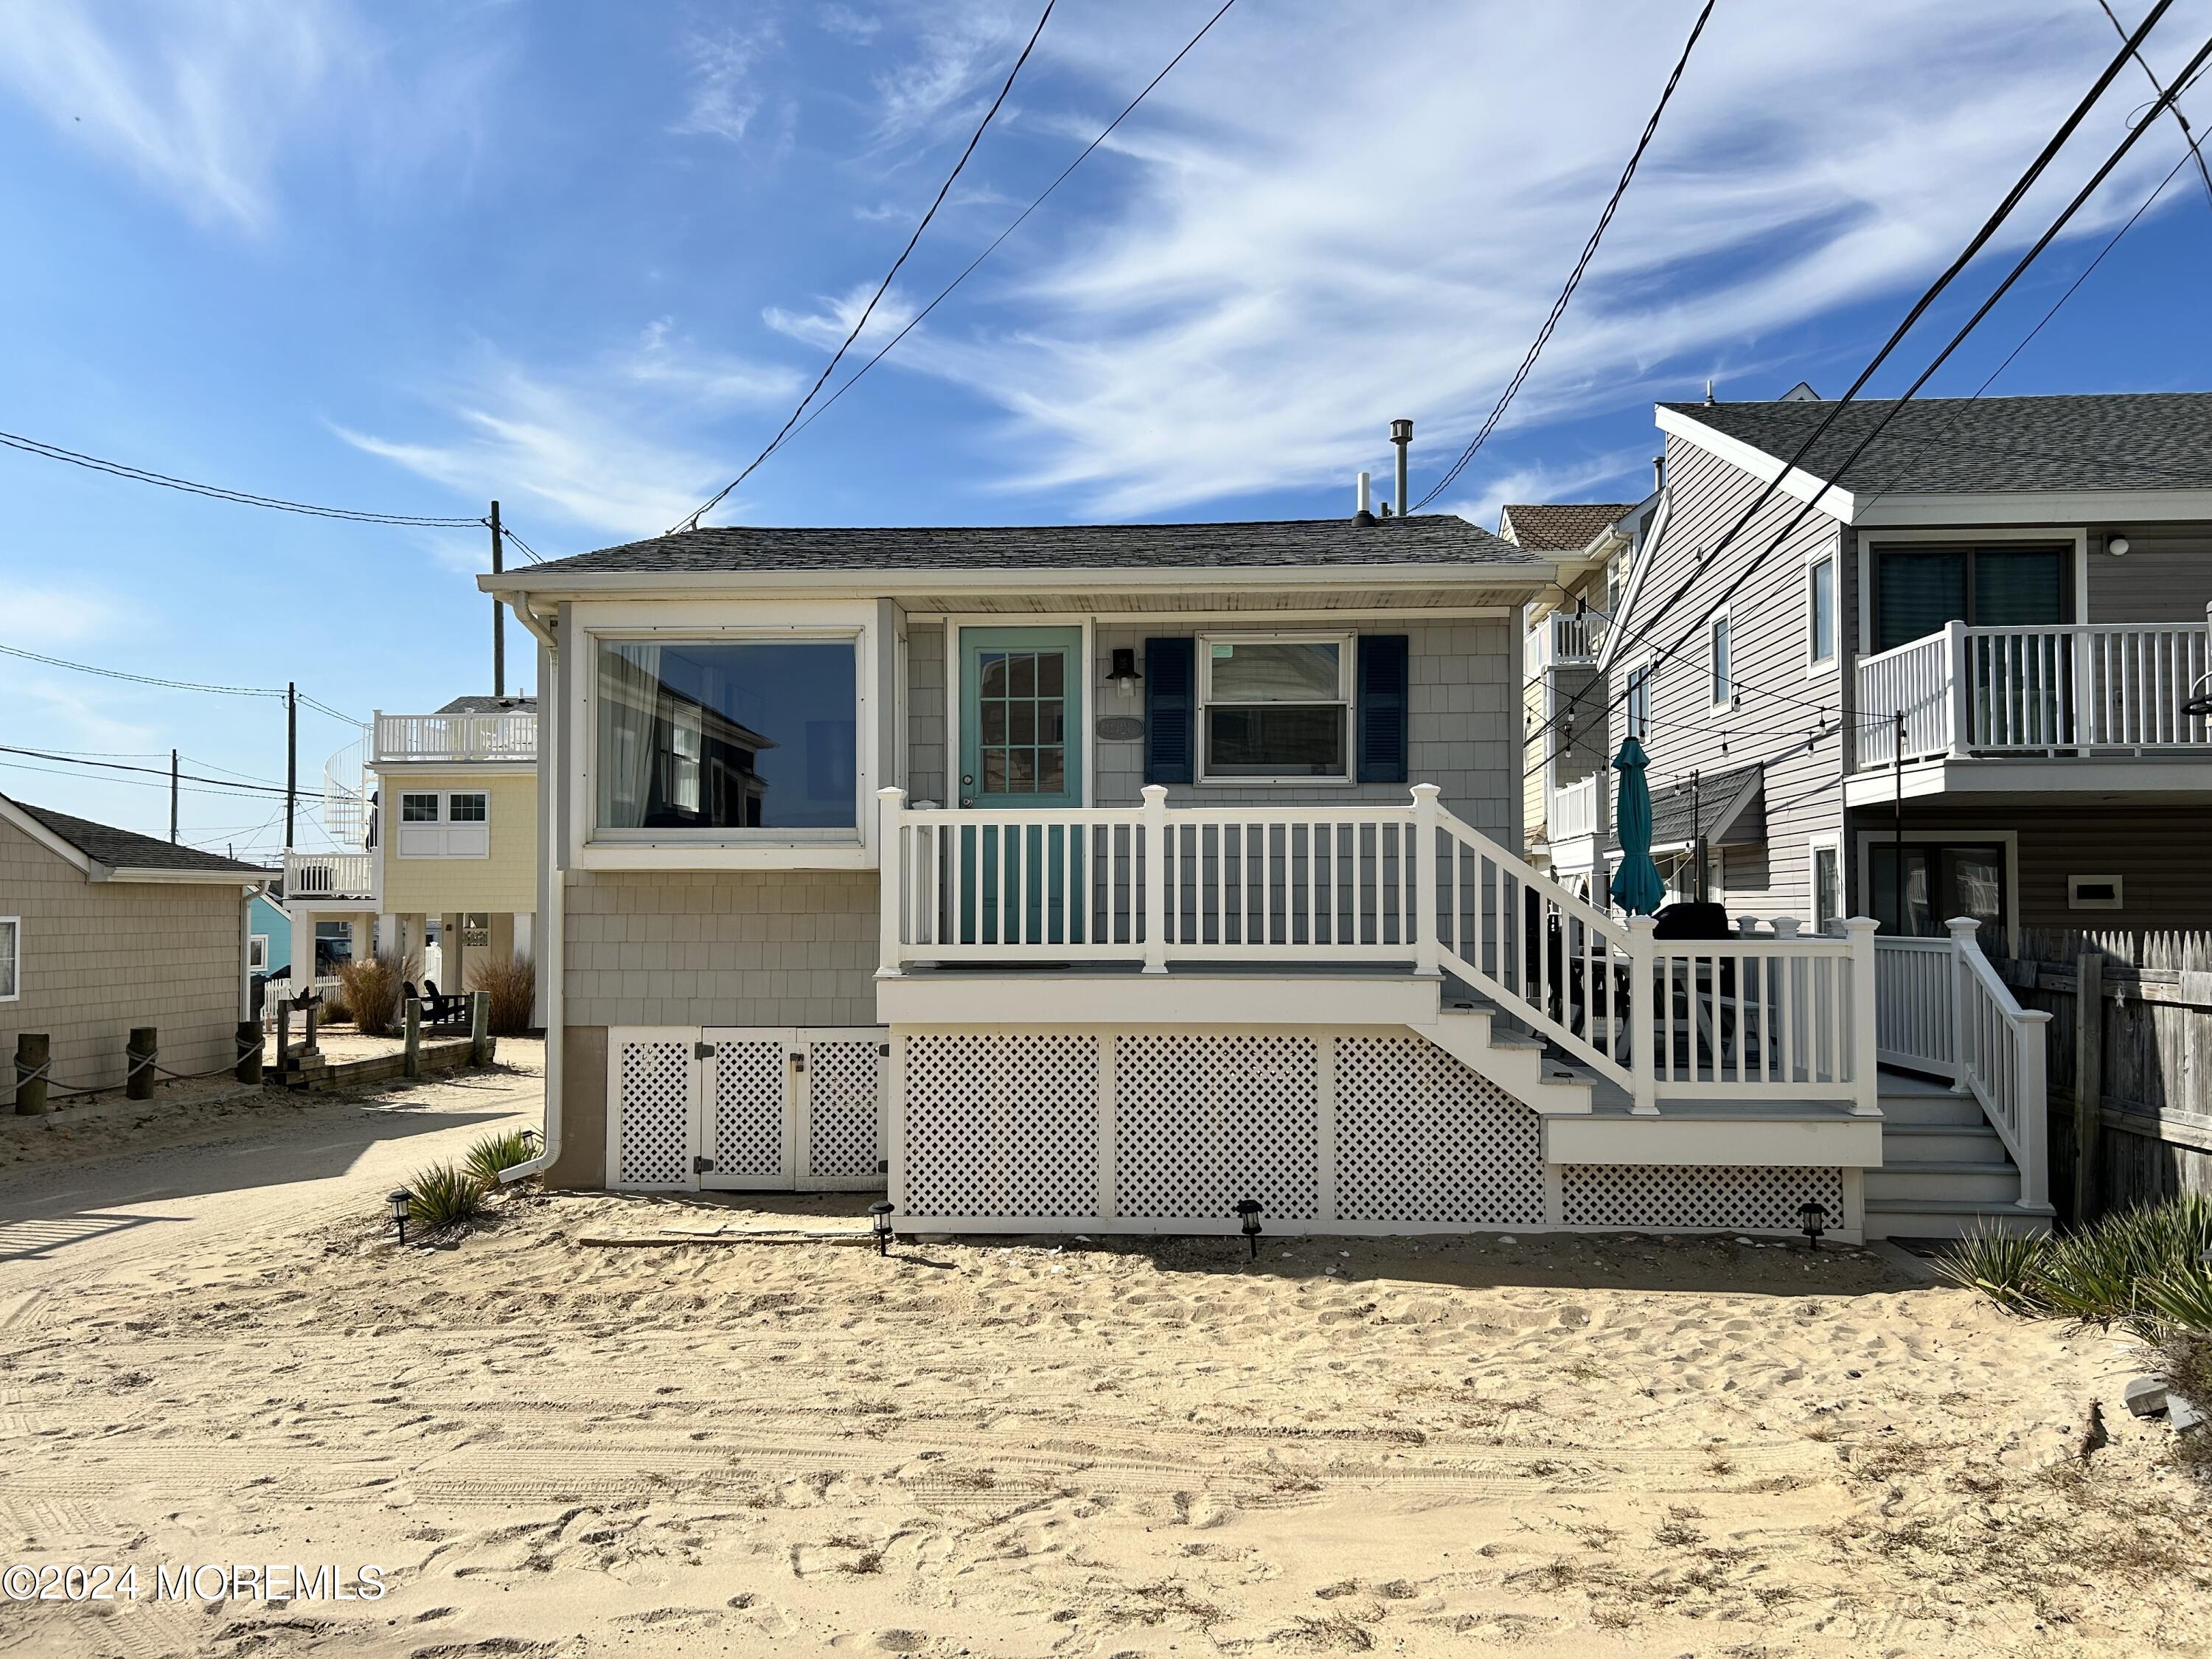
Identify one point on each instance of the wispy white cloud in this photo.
(680, 366)
(726, 92)
(955, 55)
(59, 614)
(828, 326)
(1302, 240)
(847, 23)
(1619, 475)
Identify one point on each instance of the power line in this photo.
(2173, 107)
(276, 691)
(157, 771)
(1574, 278)
(945, 292)
(217, 492)
(882, 287)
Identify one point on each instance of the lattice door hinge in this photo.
(702, 1165)
(883, 1166)
(798, 1059)
(703, 1051)
(883, 1050)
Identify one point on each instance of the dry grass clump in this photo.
(511, 982)
(370, 989)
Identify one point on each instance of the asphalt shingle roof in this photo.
(1560, 527)
(126, 849)
(1437, 538)
(490, 706)
(2104, 440)
(1672, 819)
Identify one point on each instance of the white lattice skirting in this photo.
(1165, 1132)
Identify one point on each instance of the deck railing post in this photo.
(1155, 821)
(1957, 691)
(1963, 930)
(1424, 874)
(1639, 1011)
(2034, 1108)
(891, 869)
(1866, 1082)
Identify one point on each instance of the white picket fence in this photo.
(1749, 1017)
(2108, 687)
(1942, 1009)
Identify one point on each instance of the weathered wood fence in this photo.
(2129, 1064)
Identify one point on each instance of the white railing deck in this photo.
(1747, 1018)
(1942, 1009)
(508, 736)
(1576, 808)
(330, 876)
(1563, 639)
(2086, 687)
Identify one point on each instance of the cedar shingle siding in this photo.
(100, 957)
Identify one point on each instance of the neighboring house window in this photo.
(1639, 701)
(1724, 688)
(333, 947)
(728, 735)
(11, 951)
(1828, 886)
(1820, 611)
(444, 823)
(257, 953)
(1276, 707)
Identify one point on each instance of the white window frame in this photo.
(14, 958)
(443, 825)
(257, 953)
(1815, 664)
(2075, 902)
(1347, 645)
(869, 625)
(1831, 842)
(1642, 668)
(1715, 675)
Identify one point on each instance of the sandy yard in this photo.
(1546, 1447)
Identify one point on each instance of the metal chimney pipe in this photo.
(1658, 473)
(1366, 504)
(1401, 434)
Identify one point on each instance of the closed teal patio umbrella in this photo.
(1636, 884)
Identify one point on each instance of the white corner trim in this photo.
(1767, 469)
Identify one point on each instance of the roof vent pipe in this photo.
(1366, 513)
(1401, 434)
(1658, 473)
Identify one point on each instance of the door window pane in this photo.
(2019, 587)
(727, 734)
(1940, 883)
(1915, 593)
(1022, 719)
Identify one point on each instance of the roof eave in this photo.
(1767, 469)
(1053, 579)
(144, 876)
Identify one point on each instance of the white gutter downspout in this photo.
(551, 947)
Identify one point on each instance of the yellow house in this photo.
(449, 875)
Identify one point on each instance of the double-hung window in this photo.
(444, 823)
(1276, 707)
(1820, 611)
(727, 737)
(1637, 702)
(1722, 693)
(11, 954)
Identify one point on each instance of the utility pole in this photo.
(498, 610)
(291, 757)
(172, 797)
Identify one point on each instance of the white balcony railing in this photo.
(2102, 688)
(1748, 1017)
(330, 876)
(1564, 639)
(1941, 1007)
(511, 735)
(1576, 808)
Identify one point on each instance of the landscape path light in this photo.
(1812, 1221)
(401, 1201)
(880, 1214)
(1248, 1209)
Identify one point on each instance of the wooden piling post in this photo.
(140, 1055)
(33, 1054)
(479, 1028)
(412, 1067)
(2088, 1082)
(249, 1051)
(310, 1008)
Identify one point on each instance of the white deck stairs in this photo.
(1483, 1038)
(1945, 1172)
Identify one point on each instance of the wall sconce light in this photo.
(1813, 1221)
(1123, 675)
(2117, 546)
(880, 1217)
(401, 1201)
(1248, 1210)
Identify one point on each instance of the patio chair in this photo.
(439, 1009)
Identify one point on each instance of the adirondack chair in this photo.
(438, 1009)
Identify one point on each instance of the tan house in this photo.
(448, 873)
(102, 930)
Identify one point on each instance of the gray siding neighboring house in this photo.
(102, 930)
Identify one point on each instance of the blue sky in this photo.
(410, 256)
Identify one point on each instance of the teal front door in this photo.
(1021, 747)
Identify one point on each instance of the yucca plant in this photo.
(2182, 1298)
(498, 1153)
(2007, 1267)
(445, 1196)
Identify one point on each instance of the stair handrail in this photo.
(1999, 1056)
(1632, 945)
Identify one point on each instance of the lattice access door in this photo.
(651, 1112)
(782, 1108)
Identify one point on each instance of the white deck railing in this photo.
(508, 736)
(2110, 687)
(1750, 1017)
(1944, 1010)
(330, 876)
(1563, 638)
(1576, 808)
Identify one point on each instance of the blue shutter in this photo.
(1170, 710)
(1381, 713)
